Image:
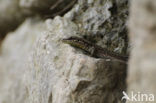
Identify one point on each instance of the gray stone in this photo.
(54, 72)
(142, 67)
(103, 21)
(10, 16)
(59, 73)
(46, 7)
(14, 56)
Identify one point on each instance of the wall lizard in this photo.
(94, 50)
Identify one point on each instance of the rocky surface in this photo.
(103, 22)
(10, 16)
(13, 59)
(45, 70)
(47, 8)
(58, 73)
(142, 68)
(14, 12)
(37, 5)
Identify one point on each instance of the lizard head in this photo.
(79, 43)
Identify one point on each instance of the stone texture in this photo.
(37, 5)
(13, 58)
(103, 22)
(10, 16)
(58, 73)
(45, 7)
(142, 68)
(54, 72)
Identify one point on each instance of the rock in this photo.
(47, 8)
(58, 73)
(54, 72)
(14, 56)
(102, 21)
(10, 16)
(142, 68)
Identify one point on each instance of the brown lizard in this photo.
(94, 50)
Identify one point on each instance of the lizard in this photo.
(93, 49)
